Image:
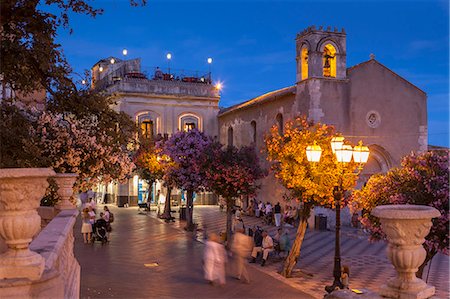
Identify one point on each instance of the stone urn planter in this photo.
(406, 227)
(65, 182)
(21, 190)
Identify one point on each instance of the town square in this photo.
(224, 149)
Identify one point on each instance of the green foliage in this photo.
(17, 146)
(51, 196)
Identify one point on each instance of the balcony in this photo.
(178, 83)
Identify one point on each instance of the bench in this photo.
(143, 208)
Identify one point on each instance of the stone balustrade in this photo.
(61, 276)
(178, 88)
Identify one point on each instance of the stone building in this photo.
(161, 104)
(367, 102)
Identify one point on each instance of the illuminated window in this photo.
(253, 124)
(188, 122)
(147, 129)
(304, 62)
(329, 61)
(230, 136)
(280, 123)
(189, 126)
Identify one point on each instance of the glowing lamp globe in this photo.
(209, 60)
(313, 153)
(360, 154)
(100, 69)
(112, 61)
(344, 154)
(124, 52)
(169, 56)
(337, 143)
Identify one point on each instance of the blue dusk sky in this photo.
(252, 43)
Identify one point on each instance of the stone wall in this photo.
(61, 277)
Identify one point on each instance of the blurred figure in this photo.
(241, 247)
(214, 260)
(277, 210)
(86, 227)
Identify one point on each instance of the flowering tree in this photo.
(147, 161)
(422, 179)
(232, 173)
(77, 146)
(310, 183)
(186, 150)
(65, 143)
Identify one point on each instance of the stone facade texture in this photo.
(367, 102)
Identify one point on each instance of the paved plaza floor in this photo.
(174, 265)
(369, 266)
(117, 270)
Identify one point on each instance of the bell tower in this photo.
(321, 53)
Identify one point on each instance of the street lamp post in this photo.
(343, 154)
(169, 57)
(210, 60)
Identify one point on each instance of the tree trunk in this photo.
(229, 220)
(294, 254)
(428, 258)
(189, 210)
(166, 214)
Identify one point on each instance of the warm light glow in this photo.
(360, 153)
(209, 60)
(344, 154)
(313, 153)
(329, 61)
(304, 62)
(125, 52)
(100, 69)
(83, 82)
(169, 56)
(337, 143)
(219, 86)
(112, 61)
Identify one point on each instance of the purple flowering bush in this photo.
(186, 150)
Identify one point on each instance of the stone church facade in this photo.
(367, 102)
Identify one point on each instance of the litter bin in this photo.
(320, 222)
(182, 213)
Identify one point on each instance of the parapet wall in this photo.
(61, 277)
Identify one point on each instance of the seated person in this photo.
(265, 248)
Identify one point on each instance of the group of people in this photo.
(92, 227)
(272, 214)
(242, 246)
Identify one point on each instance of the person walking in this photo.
(214, 260)
(241, 248)
(277, 212)
(86, 227)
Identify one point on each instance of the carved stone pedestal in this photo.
(406, 227)
(65, 182)
(21, 190)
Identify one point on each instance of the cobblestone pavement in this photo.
(174, 270)
(369, 266)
